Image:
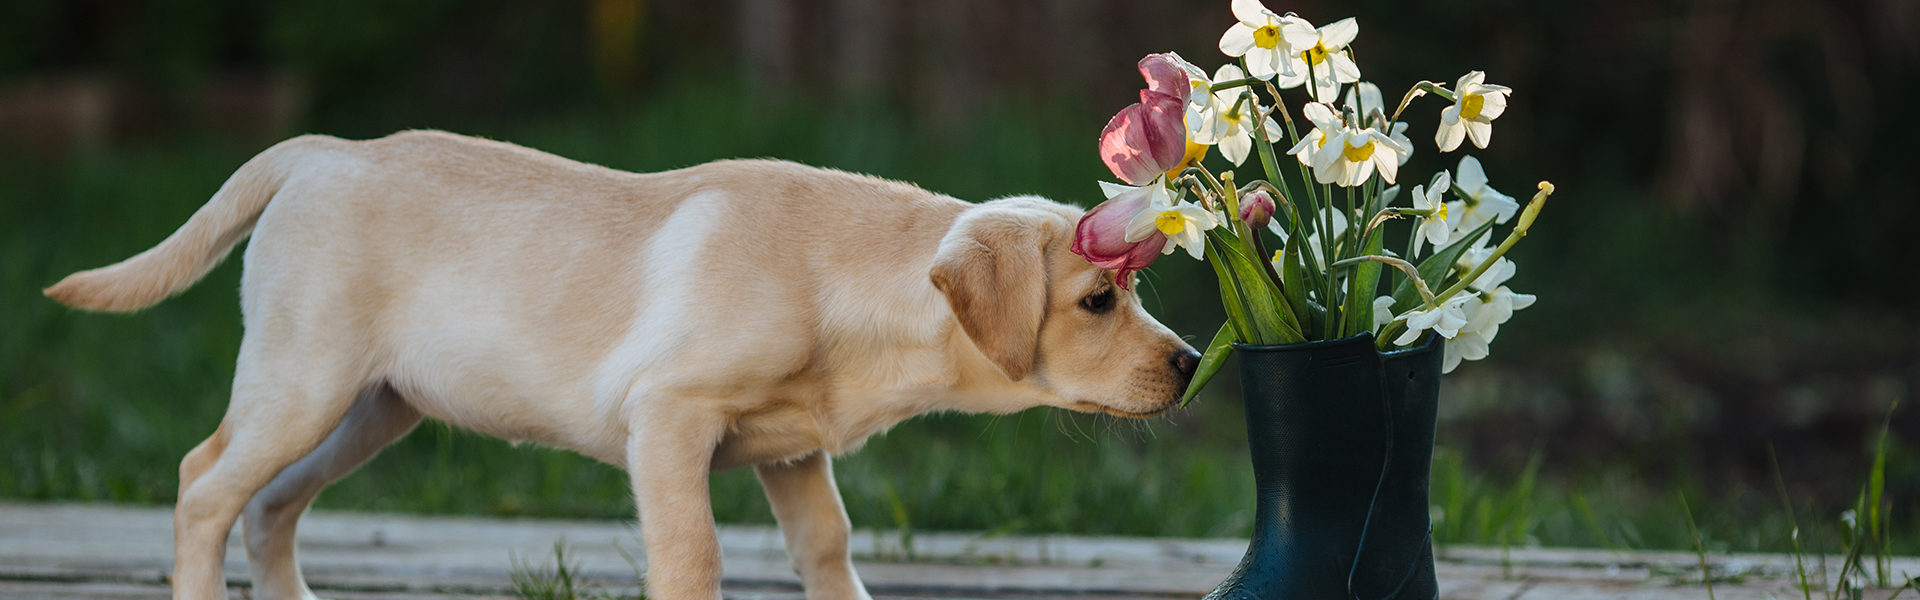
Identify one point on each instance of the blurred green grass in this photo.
(101, 407)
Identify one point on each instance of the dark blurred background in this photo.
(1722, 271)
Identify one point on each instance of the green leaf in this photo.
(1217, 352)
(1230, 299)
(1435, 269)
(1272, 319)
(1366, 284)
(1293, 278)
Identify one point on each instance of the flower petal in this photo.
(1235, 147)
(1338, 34)
(1344, 69)
(1493, 105)
(1448, 136)
(1100, 236)
(1262, 62)
(1165, 74)
(1299, 33)
(1144, 140)
(1480, 133)
(1237, 40)
(1321, 115)
(1251, 12)
(1469, 79)
(1472, 178)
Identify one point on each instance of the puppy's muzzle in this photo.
(1184, 361)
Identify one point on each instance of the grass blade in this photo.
(1799, 556)
(1699, 546)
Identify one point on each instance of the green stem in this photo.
(1233, 83)
(1513, 237)
(1403, 266)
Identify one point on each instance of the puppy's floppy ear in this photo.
(992, 267)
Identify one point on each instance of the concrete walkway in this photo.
(119, 552)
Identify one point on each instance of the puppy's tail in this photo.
(193, 250)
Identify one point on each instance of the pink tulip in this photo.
(1145, 139)
(1256, 209)
(1166, 73)
(1101, 236)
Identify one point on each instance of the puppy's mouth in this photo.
(1091, 407)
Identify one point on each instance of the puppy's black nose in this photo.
(1185, 361)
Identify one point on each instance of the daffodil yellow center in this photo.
(1357, 154)
(1315, 55)
(1440, 212)
(1170, 222)
(1267, 36)
(1470, 105)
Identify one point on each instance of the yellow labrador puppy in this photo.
(739, 313)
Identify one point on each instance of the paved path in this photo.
(119, 552)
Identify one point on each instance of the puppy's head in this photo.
(1051, 321)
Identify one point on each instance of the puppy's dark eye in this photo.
(1099, 302)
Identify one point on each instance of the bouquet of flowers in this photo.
(1331, 273)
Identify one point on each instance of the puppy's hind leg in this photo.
(282, 406)
(807, 504)
(377, 418)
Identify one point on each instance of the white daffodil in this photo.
(1320, 54)
(1230, 122)
(1475, 106)
(1350, 156)
(1498, 273)
(1467, 345)
(1314, 240)
(1445, 319)
(1157, 194)
(1382, 311)
(1365, 100)
(1184, 226)
(1485, 313)
(1481, 202)
(1437, 227)
(1260, 36)
(1399, 136)
(1324, 122)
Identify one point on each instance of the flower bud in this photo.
(1533, 208)
(1256, 209)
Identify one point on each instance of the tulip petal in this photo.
(1100, 235)
(1144, 140)
(1165, 74)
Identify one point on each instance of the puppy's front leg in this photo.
(814, 522)
(668, 457)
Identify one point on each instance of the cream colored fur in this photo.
(738, 313)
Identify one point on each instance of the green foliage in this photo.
(562, 579)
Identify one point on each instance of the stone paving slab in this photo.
(105, 551)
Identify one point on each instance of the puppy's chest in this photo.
(782, 430)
